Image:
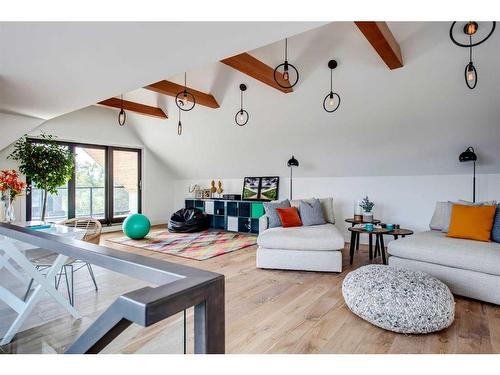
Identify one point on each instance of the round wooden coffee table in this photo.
(400, 232)
(379, 241)
(353, 222)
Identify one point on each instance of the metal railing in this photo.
(179, 288)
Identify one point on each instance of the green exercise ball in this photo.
(136, 226)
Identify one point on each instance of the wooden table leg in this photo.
(370, 246)
(351, 250)
(357, 241)
(382, 249)
(376, 247)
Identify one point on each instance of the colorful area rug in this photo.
(199, 246)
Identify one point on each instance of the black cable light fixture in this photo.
(241, 116)
(282, 79)
(332, 101)
(122, 116)
(183, 98)
(179, 125)
(470, 29)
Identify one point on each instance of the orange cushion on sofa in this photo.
(471, 222)
(289, 217)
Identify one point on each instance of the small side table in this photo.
(395, 233)
(400, 232)
(379, 240)
(354, 222)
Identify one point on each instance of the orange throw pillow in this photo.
(289, 217)
(471, 222)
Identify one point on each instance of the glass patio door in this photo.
(126, 182)
(90, 182)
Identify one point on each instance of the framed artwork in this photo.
(260, 188)
(207, 194)
(269, 188)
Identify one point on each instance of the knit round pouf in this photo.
(398, 299)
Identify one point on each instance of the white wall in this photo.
(406, 200)
(97, 125)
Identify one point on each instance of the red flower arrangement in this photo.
(9, 181)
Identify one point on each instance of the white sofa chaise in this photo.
(306, 248)
(469, 268)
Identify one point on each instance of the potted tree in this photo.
(367, 207)
(46, 165)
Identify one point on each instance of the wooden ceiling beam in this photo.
(380, 37)
(139, 108)
(172, 89)
(255, 68)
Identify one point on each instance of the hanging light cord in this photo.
(331, 80)
(121, 96)
(241, 100)
(470, 47)
(185, 82)
(286, 49)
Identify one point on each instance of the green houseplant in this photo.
(367, 207)
(46, 164)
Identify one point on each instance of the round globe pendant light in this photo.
(122, 116)
(241, 116)
(470, 29)
(184, 99)
(332, 101)
(179, 125)
(285, 74)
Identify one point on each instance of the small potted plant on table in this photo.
(367, 207)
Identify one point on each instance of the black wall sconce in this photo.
(241, 116)
(122, 116)
(470, 29)
(183, 98)
(282, 78)
(470, 155)
(332, 101)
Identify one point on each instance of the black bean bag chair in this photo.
(188, 220)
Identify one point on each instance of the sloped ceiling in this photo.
(410, 121)
(50, 68)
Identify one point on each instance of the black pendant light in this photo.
(184, 99)
(241, 116)
(285, 74)
(122, 116)
(179, 125)
(470, 29)
(332, 101)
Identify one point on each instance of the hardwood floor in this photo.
(267, 311)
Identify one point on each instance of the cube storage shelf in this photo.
(233, 216)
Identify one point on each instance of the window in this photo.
(88, 193)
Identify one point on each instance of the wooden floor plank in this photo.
(267, 311)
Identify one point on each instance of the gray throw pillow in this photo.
(311, 213)
(495, 231)
(272, 215)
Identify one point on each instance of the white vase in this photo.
(2, 211)
(367, 217)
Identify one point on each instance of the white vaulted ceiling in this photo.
(410, 121)
(48, 69)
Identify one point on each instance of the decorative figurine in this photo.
(219, 189)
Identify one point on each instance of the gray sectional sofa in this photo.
(469, 268)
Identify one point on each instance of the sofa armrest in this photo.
(263, 223)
